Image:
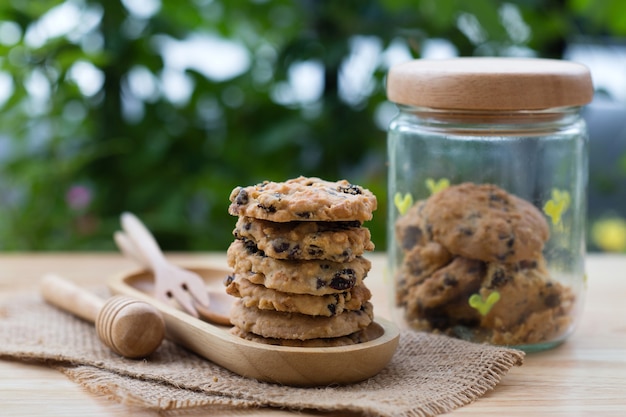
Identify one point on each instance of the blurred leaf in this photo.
(174, 163)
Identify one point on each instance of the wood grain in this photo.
(586, 376)
(480, 83)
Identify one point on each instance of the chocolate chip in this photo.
(450, 280)
(304, 214)
(528, 265)
(466, 231)
(294, 252)
(320, 283)
(499, 278)
(343, 280)
(332, 308)
(552, 300)
(349, 189)
(497, 198)
(252, 248)
(268, 209)
(228, 280)
(412, 235)
(280, 246)
(315, 251)
(242, 198)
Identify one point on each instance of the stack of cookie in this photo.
(298, 264)
(473, 267)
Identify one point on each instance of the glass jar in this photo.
(487, 198)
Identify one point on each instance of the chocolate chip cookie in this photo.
(280, 325)
(420, 262)
(315, 277)
(447, 288)
(302, 198)
(333, 241)
(263, 298)
(472, 266)
(524, 290)
(529, 306)
(361, 336)
(482, 221)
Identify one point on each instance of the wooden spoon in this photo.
(131, 328)
(170, 280)
(298, 366)
(220, 303)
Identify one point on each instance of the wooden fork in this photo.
(170, 281)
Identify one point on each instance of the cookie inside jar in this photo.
(473, 266)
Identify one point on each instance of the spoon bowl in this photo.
(296, 366)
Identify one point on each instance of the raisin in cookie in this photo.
(303, 198)
(263, 298)
(279, 325)
(315, 277)
(485, 222)
(333, 241)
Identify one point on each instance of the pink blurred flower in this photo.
(78, 197)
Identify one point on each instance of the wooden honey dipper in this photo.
(131, 328)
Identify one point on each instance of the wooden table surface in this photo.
(586, 376)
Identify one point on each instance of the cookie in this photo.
(279, 325)
(302, 198)
(442, 297)
(333, 241)
(529, 307)
(362, 336)
(258, 296)
(315, 277)
(485, 222)
(538, 327)
(418, 264)
(524, 290)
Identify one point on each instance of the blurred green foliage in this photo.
(98, 122)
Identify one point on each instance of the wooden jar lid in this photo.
(490, 84)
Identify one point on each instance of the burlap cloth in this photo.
(428, 375)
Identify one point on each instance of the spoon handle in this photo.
(128, 248)
(70, 297)
(144, 242)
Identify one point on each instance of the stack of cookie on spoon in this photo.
(298, 262)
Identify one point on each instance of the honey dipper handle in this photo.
(70, 297)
